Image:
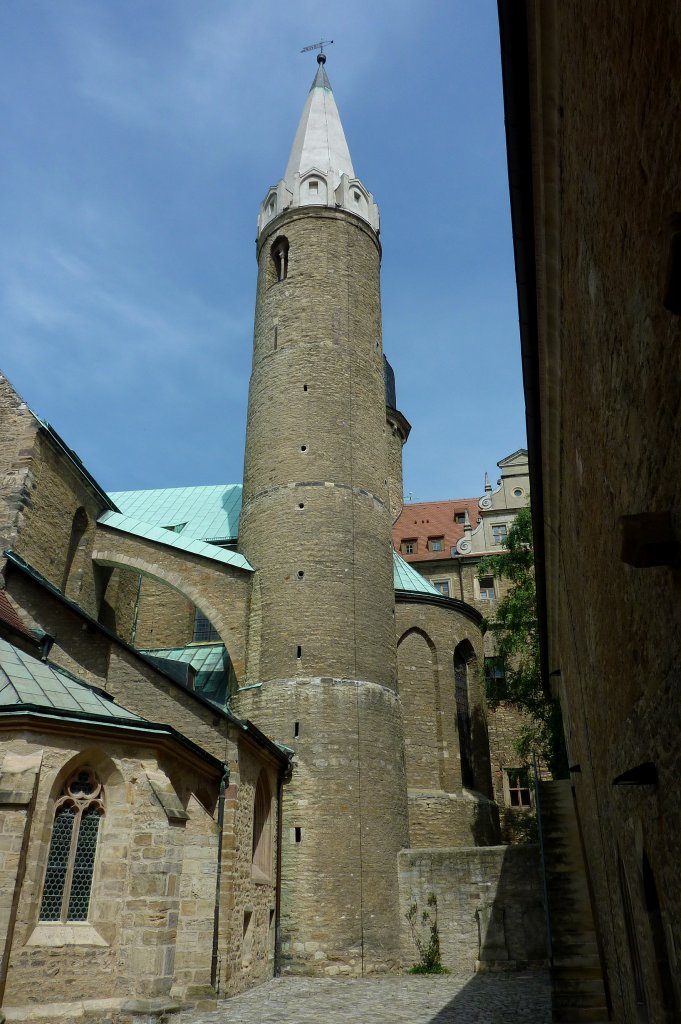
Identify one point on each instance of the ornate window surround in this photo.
(67, 887)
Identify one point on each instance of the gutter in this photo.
(114, 724)
(453, 603)
(515, 68)
(214, 979)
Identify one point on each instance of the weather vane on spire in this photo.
(321, 56)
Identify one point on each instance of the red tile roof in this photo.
(10, 617)
(422, 520)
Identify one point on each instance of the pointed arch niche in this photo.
(464, 662)
(417, 680)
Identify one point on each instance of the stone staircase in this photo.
(577, 982)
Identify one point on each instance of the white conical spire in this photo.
(319, 170)
(320, 139)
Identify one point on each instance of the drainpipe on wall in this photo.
(136, 610)
(284, 776)
(216, 913)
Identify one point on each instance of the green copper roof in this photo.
(141, 528)
(407, 578)
(200, 513)
(25, 680)
(210, 662)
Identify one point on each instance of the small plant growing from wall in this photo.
(429, 946)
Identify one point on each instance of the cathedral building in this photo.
(241, 734)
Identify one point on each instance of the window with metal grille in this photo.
(71, 860)
(204, 630)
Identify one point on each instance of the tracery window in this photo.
(71, 860)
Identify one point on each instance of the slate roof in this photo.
(320, 140)
(25, 680)
(406, 578)
(421, 520)
(141, 528)
(210, 662)
(209, 513)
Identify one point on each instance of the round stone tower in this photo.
(315, 524)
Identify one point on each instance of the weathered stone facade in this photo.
(226, 852)
(595, 203)
(490, 910)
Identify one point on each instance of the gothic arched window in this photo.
(279, 259)
(71, 860)
(262, 829)
(462, 657)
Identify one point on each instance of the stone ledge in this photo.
(65, 935)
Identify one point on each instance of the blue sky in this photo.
(139, 139)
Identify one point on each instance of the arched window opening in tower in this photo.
(279, 259)
(73, 845)
(262, 829)
(463, 715)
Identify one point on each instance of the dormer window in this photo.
(272, 206)
(357, 196)
(313, 188)
(279, 259)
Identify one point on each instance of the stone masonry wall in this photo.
(440, 813)
(489, 905)
(617, 453)
(47, 511)
(248, 922)
(127, 946)
(315, 523)
(18, 430)
(165, 618)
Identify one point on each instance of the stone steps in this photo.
(578, 994)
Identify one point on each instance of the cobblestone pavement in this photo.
(481, 999)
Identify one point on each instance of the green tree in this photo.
(517, 644)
